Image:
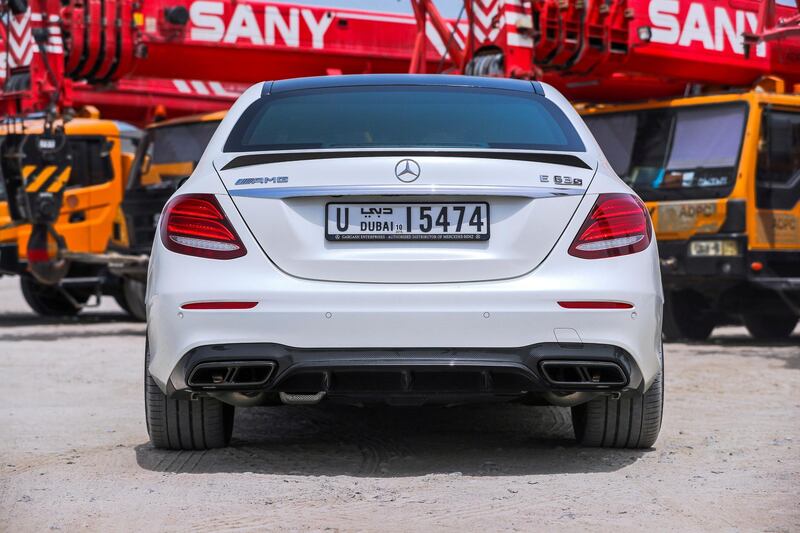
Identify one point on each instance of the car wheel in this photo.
(131, 298)
(770, 326)
(686, 318)
(184, 424)
(629, 422)
(48, 301)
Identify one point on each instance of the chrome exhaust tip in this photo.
(231, 374)
(583, 374)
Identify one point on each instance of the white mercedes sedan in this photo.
(410, 240)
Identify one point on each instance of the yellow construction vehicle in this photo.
(720, 174)
(166, 156)
(82, 201)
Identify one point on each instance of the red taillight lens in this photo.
(194, 224)
(617, 225)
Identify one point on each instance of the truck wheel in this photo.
(131, 298)
(184, 424)
(686, 317)
(48, 301)
(632, 422)
(767, 326)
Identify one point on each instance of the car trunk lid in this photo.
(283, 197)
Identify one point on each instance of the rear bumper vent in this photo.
(410, 380)
(589, 374)
(231, 374)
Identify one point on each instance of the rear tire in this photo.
(131, 298)
(630, 422)
(199, 424)
(770, 327)
(686, 317)
(48, 301)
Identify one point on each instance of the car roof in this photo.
(433, 80)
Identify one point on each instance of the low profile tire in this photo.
(632, 422)
(46, 300)
(131, 299)
(685, 317)
(199, 424)
(770, 327)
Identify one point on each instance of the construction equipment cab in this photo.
(84, 195)
(166, 156)
(720, 175)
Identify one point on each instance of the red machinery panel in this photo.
(689, 41)
(252, 40)
(592, 49)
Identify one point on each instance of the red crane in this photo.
(125, 56)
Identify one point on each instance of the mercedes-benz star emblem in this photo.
(406, 170)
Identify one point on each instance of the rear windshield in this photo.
(687, 152)
(403, 117)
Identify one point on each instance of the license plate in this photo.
(457, 221)
(713, 248)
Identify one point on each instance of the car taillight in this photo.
(617, 225)
(194, 224)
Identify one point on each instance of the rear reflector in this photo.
(194, 224)
(595, 305)
(219, 305)
(618, 224)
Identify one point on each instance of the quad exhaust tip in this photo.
(231, 374)
(590, 374)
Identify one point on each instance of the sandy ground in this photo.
(74, 452)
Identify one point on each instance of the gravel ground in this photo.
(74, 452)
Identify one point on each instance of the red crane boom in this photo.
(60, 53)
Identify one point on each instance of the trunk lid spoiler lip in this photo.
(555, 158)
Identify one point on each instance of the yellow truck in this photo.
(109, 211)
(89, 219)
(720, 174)
(166, 156)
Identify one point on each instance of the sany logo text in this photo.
(211, 23)
(711, 29)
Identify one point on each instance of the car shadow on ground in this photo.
(60, 335)
(26, 326)
(331, 440)
(16, 319)
(746, 340)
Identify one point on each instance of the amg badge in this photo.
(253, 181)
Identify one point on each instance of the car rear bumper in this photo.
(409, 372)
(778, 269)
(440, 321)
